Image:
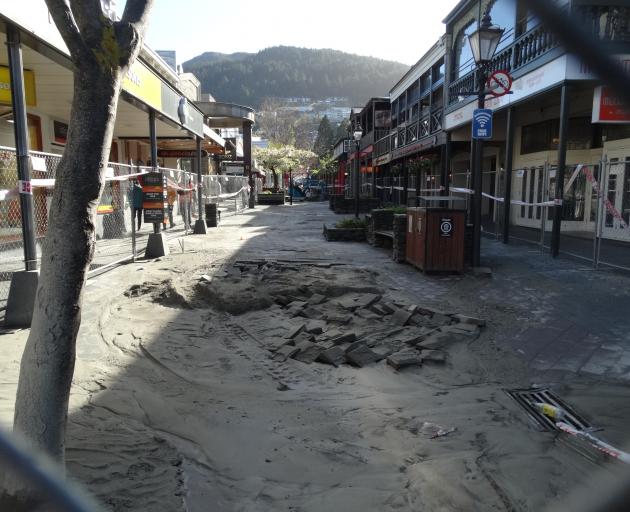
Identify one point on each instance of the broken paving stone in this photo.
(283, 300)
(461, 334)
(388, 307)
(315, 326)
(355, 301)
(354, 345)
(379, 310)
(465, 327)
(285, 352)
(349, 337)
(366, 314)
(361, 356)
(383, 351)
(312, 313)
(316, 298)
(438, 319)
(429, 311)
(433, 356)
(309, 352)
(469, 320)
(401, 317)
(334, 356)
(404, 358)
(295, 331)
(303, 337)
(296, 304)
(338, 319)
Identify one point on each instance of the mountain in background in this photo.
(290, 72)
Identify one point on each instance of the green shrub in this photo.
(396, 209)
(351, 224)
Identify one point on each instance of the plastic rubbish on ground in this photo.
(551, 411)
(433, 430)
(594, 441)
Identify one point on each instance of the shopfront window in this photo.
(544, 136)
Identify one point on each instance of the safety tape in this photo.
(610, 208)
(500, 199)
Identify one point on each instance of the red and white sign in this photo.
(499, 83)
(24, 187)
(607, 108)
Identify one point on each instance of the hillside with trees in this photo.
(285, 72)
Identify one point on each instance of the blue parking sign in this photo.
(482, 123)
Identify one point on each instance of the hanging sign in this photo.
(499, 83)
(482, 123)
(608, 108)
(25, 187)
(154, 197)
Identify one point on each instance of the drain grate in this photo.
(526, 398)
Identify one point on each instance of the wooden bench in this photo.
(381, 235)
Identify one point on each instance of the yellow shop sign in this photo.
(5, 87)
(143, 84)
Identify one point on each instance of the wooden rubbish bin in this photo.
(437, 238)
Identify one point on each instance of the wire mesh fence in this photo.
(120, 232)
(595, 209)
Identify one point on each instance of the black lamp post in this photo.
(483, 43)
(357, 134)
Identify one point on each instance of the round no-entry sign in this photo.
(499, 83)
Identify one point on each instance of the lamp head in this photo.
(484, 40)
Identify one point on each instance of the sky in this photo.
(363, 27)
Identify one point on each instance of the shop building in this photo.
(520, 162)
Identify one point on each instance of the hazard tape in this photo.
(610, 208)
(500, 199)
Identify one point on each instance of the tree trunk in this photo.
(275, 180)
(47, 365)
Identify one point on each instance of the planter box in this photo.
(379, 220)
(344, 234)
(275, 198)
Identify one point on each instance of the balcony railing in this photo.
(521, 52)
(372, 136)
(429, 124)
(382, 146)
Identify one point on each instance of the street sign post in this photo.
(482, 123)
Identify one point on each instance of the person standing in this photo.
(184, 204)
(171, 196)
(138, 198)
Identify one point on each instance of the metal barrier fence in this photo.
(120, 232)
(595, 223)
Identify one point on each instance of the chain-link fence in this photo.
(595, 209)
(120, 231)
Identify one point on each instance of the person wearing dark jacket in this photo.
(137, 198)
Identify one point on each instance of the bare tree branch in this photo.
(137, 11)
(129, 36)
(65, 22)
(90, 19)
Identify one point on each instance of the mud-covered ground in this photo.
(187, 398)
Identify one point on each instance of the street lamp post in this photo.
(358, 133)
(290, 186)
(483, 43)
